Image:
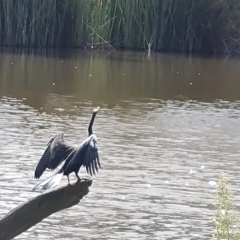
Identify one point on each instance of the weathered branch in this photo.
(35, 210)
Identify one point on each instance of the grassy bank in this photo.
(172, 25)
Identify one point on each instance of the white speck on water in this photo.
(12, 63)
(177, 72)
(190, 83)
(60, 109)
(199, 74)
(223, 212)
(192, 171)
(90, 75)
(123, 198)
(76, 67)
(54, 83)
(123, 74)
(202, 167)
(167, 181)
(148, 185)
(75, 106)
(62, 61)
(186, 184)
(212, 183)
(24, 98)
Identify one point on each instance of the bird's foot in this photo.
(68, 179)
(83, 180)
(78, 178)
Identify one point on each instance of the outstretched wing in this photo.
(56, 152)
(87, 155)
(91, 158)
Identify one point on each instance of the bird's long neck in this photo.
(90, 132)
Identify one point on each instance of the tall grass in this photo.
(175, 25)
(227, 223)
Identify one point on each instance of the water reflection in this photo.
(110, 77)
(162, 141)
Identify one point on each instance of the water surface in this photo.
(168, 125)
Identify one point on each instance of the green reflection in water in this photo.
(113, 77)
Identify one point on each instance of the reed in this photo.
(226, 220)
(172, 25)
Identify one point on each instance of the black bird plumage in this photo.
(58, 151)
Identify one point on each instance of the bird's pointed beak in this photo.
(96, 109)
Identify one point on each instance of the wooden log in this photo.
(36, 209)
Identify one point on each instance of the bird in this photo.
(57, 151)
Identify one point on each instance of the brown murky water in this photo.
(168, 125)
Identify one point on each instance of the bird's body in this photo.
(75, 157)
(85, 155)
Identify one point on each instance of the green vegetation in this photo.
(172, 25)
(226, 221)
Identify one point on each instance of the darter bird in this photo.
(58, 151)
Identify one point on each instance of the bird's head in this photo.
(95, 110)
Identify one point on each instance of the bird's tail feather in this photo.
(50, 182)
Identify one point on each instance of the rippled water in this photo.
(161, 148)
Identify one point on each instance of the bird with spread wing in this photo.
(57, 151)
